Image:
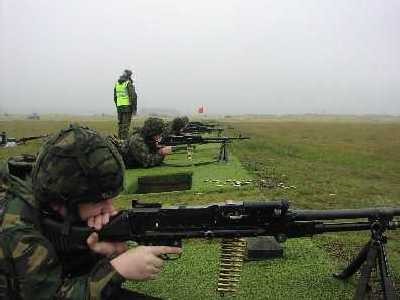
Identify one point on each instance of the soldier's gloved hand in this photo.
(143, 262)
(165, 150)
(105, 248)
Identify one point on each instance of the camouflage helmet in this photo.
(75, 166)
(178, 124)
(186, 120)
(152, 127)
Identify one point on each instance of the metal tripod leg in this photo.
(386, 282)
(371, 255)
(366, 270)
(355, 264)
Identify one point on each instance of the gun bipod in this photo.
(372, 255)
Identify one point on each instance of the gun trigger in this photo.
(164, 256)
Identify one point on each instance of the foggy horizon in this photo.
(233, 57)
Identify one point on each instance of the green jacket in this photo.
(137, 153)
(28, 257)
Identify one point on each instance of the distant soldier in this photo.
(125, 99)
(176, 125)
(142, 150)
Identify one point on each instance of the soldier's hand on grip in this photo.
(165, 150)
(143, 262)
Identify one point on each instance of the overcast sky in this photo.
(233, 57)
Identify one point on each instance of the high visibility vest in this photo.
(122, 93)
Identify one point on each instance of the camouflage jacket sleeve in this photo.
(132, 97)
(102, 280)
(139, 151)
(40, 273)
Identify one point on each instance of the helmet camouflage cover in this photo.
(185, 119)
(178, 124)
(77, 165)
(152, 127)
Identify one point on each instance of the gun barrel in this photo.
(30, 138)
(208, 124)
(357, 226)
(309, 215)
(201, 128)
(223, 139)
(179, 148)
(172, 140)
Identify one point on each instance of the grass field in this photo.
(316, 163)
(209, 174)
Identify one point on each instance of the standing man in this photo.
(125, 99)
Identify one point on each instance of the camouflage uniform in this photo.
(30, 266)
(36, 266)
(140, 151)
(125, 111)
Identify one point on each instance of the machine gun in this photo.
(223, 156)
(12, 142)
(198, 123)
(23, 140)
(198, 127)
(152, 224)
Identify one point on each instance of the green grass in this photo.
(346, 164)
(316, 163)
(358, 162)
(302, 274)
(209, 175)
